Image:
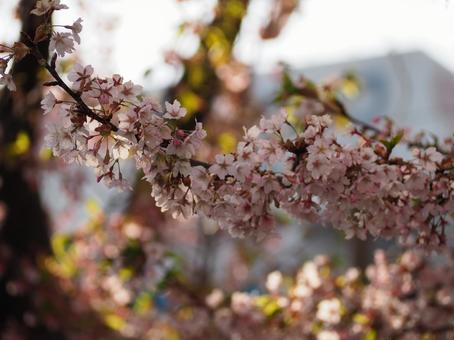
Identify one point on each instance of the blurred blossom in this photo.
(329, 311)
(273, 281)
(215, 298)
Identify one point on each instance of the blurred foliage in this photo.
(199, 83)
(304, 97)
(21, 145)
(227, 142)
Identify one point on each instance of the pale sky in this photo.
(320, 32)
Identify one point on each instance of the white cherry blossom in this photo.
(44, 6)
(223, 166)
(174, 110)
(79, 76)
(48, 103)
(62, 43)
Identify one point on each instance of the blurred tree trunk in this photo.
(25, 227)
(33, 304)
(24, 235)
(25, 232)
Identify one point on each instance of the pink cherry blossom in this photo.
(223, 166)
(355, 184)
(7, 80)
(79, 76)
(129, 91)
(174, 111)
(329, 311)
(48, 103)
(76, 28)
(429, 158)
(44, 6)
(62, 43)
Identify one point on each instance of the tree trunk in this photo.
(24, 233)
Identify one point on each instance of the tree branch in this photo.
(83, 107)
(74, 95)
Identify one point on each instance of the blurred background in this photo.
(224, 61)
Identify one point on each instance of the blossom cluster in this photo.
(124, 256)
(354, 184)
(402, 300)
(135, 285)
(116, 269)
(60, 42)
(405, 299)
(117, 263)
(106, 276)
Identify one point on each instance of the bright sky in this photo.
(321, 32)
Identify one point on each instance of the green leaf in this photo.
(390, 145)
(371, 335)
(288, 88)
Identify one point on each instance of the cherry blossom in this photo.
(358, 184)
(174, 111)
(402, 299)
(328, 335)
(129, 91)
(48, 103)
(44, 6)
(329, 311)
(236, 191)
(273, 281)
(59, 139)
(76, 28)
(62, 43)
(223, 166)
(428, 158)
(79, 76)
(7, 80)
